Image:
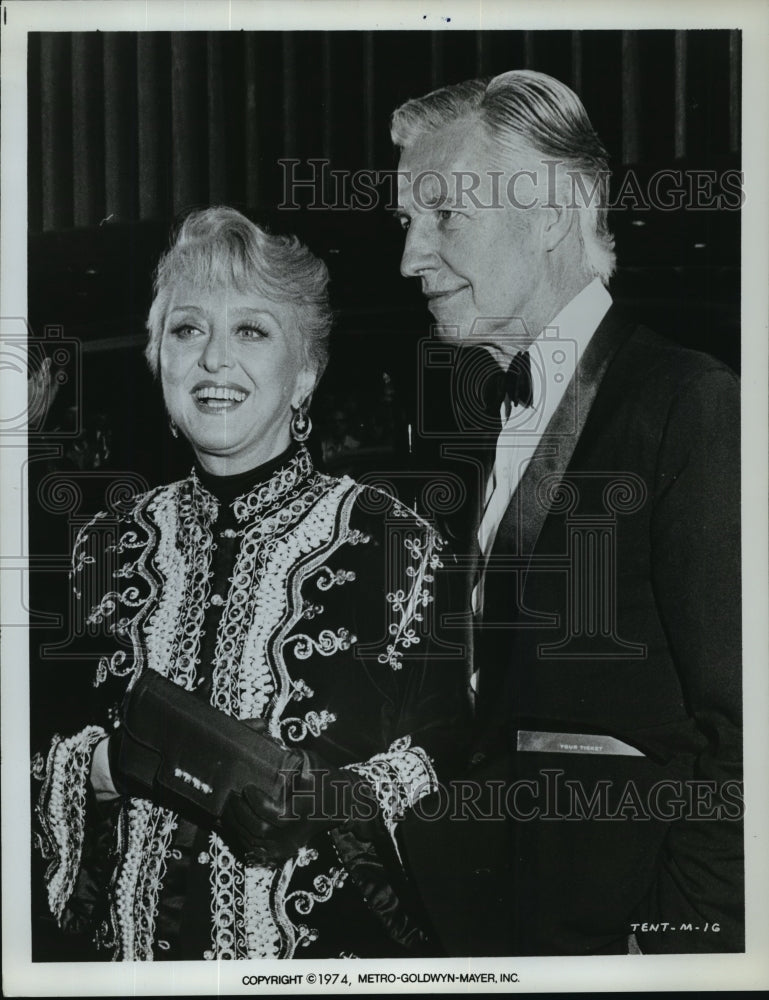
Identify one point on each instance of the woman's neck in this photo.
(227, 488)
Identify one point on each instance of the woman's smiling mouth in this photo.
(217, 398)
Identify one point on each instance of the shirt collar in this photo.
(579, 318)
(555, 354)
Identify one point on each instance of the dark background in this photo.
(129, 131)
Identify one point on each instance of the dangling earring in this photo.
(301, 425)
(173, 428)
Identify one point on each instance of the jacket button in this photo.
(203, 858)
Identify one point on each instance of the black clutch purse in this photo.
(177, 750)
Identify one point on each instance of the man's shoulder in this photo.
(658, 364)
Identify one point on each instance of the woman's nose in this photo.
(216, 353)
(419, 253)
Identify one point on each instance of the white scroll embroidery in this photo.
(61, 810)
(400, 777)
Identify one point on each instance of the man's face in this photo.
(479, 258)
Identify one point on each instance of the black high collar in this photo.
(228, 488)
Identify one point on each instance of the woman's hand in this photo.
(101, 776)
(264, 827)
(228, 775)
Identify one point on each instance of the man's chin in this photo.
(464, 335)
(451, 330)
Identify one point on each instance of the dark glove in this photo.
(268, 828)
(226, 775)
(175, 749)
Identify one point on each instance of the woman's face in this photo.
(231, 366)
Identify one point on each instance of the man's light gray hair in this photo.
(527, 109)
(219, 246)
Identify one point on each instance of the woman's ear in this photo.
(305, 384)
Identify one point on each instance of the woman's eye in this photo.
(184, 331)
(252, 332)
(403, 221)
(447, 214)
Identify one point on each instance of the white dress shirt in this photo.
(554, 356)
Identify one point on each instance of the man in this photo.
(605, 811)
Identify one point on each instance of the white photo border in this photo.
(595, 974)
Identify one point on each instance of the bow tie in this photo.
(516, 383)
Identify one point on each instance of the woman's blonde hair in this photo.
(220, 246)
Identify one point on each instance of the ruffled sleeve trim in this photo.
(61, 810)
(399, 778)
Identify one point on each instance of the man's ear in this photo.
(557, 225)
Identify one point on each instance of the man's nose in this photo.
(419, 252)
(216, 353)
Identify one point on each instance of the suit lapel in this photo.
(504, 607)
(538, 490)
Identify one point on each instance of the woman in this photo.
(274, 696)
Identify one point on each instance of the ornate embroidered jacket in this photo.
(307, 601)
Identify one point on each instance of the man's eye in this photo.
(447, 214)
(404, 222)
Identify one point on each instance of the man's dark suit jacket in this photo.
(612, 609)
